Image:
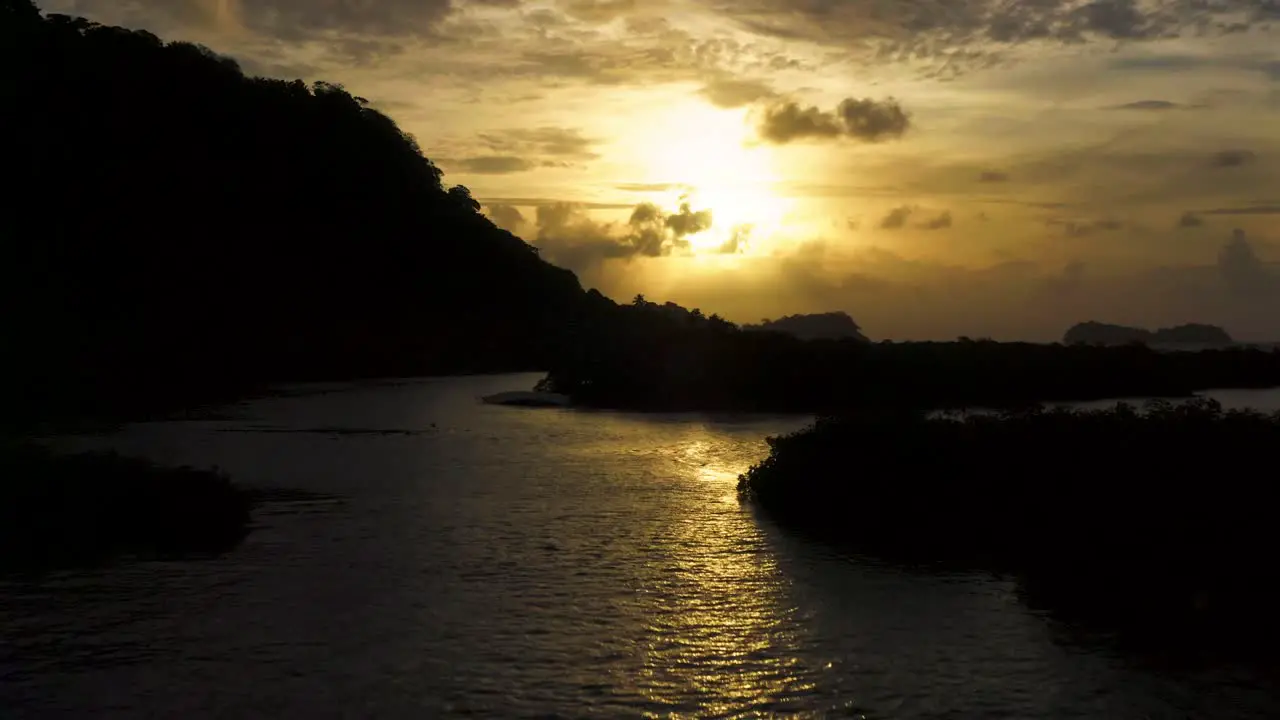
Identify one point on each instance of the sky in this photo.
(935, 168)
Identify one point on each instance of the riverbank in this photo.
(59, 510)
(1146, 517)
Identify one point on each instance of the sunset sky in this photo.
(935, 168)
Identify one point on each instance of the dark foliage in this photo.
(1144, 516)
(653, 359)
(59, 510)
(169, 223)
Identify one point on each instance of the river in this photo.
(454, 559)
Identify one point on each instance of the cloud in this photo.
(566, 235)
(287, 19)
(598, 11)
(738, 242)
(899, 297)
(993, 176)
(558, 142)
(503, 152)
(1190, 220)
(1151, 106)
(733, 93)
(970, 33)
(687, 221)
(941, 222)
(1084, 228)
(1181, 63)
(1233, 158)
(506, 217)
(897, 218)
(1245, 275)
(491, 165)
(1246, 210)
(865, 120)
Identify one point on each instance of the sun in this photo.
(703, 153)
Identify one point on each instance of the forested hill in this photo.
(168, 222)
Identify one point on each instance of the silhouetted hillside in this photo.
(817, 326)
(1096, 333)
(168, 222)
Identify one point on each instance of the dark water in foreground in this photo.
(469, 560)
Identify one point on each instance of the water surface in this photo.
(455, 559)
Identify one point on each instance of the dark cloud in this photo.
(1083, 228)
(688, 222)
(288, 19)
(568, 236)
(738, 242)
(993, 176)
(598, 11)
(1118, 20)
(506, 217)
(1170, 63)
(543, 141)
(866, 120)
(1149, 105)
(732, 93)
(1246, 210)
(1233, 158)
(968, 33)
(1190, 220)
(897, 218)
(941, 222)
(1174, 63)
(1244, 273)
(491, 165)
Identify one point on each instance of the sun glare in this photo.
(702, 151)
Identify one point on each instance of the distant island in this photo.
(1096, 333)
(817, 326)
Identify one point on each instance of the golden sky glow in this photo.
(975, 168)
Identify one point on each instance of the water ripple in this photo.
(422, 555)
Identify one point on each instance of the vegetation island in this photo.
(1151, 518)
(179, 233)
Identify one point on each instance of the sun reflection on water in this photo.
(722, 626)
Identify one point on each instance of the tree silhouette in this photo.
(170, 223)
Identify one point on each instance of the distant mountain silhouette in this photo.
(1096, 333)
(818, 326)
